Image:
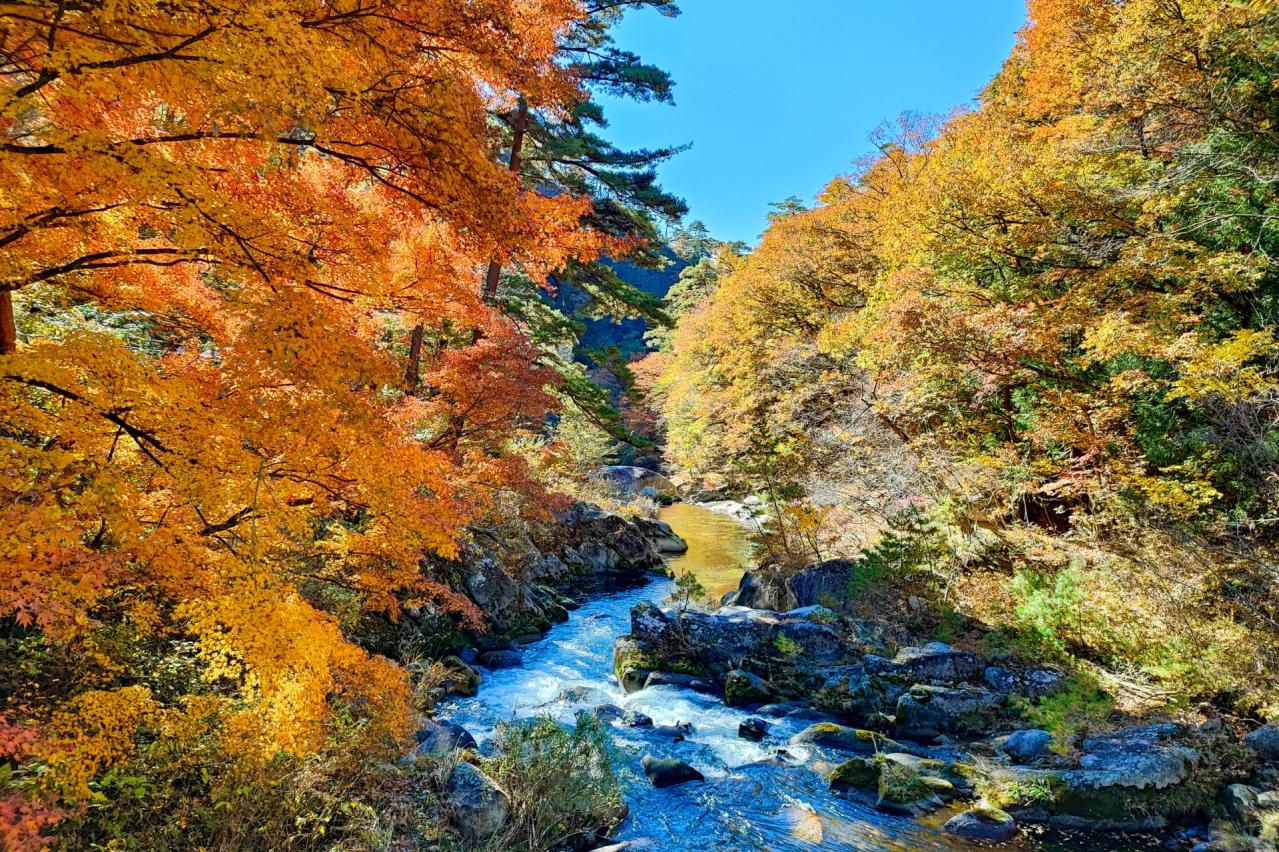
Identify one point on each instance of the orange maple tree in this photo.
(217, 222)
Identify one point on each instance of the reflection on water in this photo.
(719, 547)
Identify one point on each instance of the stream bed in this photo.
(752, 798)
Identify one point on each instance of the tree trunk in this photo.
(413, 373)
(494, 275)
(8, 328)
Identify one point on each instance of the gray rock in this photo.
(936, 661)
(1145, 757)
(680, 681)
(990, 825)
(441, 736)
(631, 480)
(824, 583)
(1025, 746)
(668, 773)
(605, 713)
(1264, 742)
(582, 694)
(850, 694)
(636, 719)
(1035, 683)
(662, 536)
(479, 806)
(818, 644)
(929, 711)
(753, 729)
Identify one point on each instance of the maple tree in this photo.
(248, 379)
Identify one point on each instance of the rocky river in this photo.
(766, 794)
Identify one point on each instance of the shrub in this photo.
(561, 780)
(1069, 713)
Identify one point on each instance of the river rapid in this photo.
(757, 796)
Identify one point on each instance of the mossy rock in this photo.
(901, 784)
(742, 688)
(830, 735)
(634, 661)
(861, 773)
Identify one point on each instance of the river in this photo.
(752, 799)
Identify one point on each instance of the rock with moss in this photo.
(742, 688)
(983, 823)
(904, 789)
(857, 740)
(459, 678)
(849, 693)
(1133, 779)
(929, 711)
(860, 773)
(633, 662)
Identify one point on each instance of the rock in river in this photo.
(668, 773)
(983, 823)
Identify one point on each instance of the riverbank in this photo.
(776, 770)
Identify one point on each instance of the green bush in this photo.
(561, 780)
(1071, 712)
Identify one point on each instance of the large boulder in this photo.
(1129, 780)
(761, 588)
(824, 583)
(1032, 683)
(608, 546)
(662, 536)
(814, 643)
(930, 711)
(479, 806)
(849, 693)
(986, 824)
(1264, 742)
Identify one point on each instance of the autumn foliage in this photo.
(1062, 304)
(219, 224)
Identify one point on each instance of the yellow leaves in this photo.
(1117, 333)
(1225, 370)
(92, 731)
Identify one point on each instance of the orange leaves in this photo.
(218, 221)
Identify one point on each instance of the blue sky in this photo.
(777, 98)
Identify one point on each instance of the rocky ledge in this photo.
(919, 727)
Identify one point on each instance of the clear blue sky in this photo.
(778, 98)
